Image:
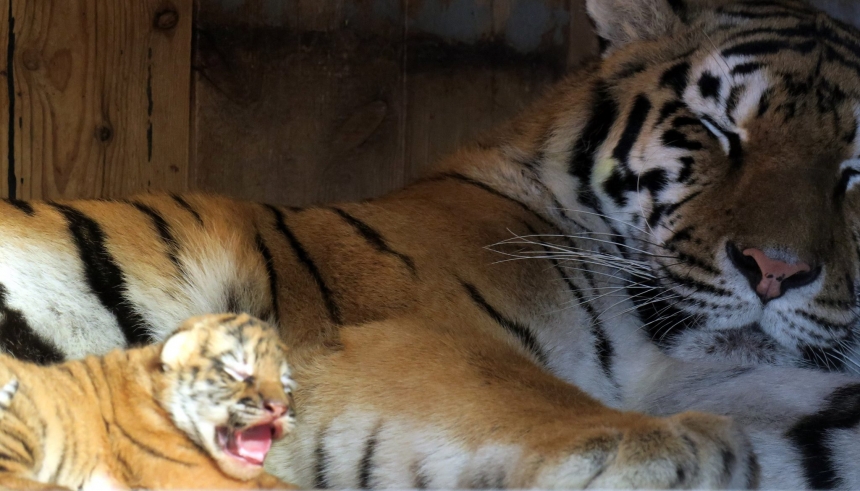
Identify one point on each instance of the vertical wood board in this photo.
(4, 100)
(102, 97)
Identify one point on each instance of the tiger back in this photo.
(199, 411)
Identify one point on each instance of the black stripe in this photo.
(772, 15)
(679, 7)
(420, 480)
(736, 149)
(695, 284)
(603, 347)
(686, 168)
(269, 261)
(147, 449)
(365, 467)
(676, 77)
(709, 86)
(733, 100)
(184, 204)
(844, 179)
(746, 68)
(24, 206)
(635, 121)
(676, 139)
(18, 339)
(521, 332)
(617, 184)
(669, 109)
(374, 238)
(662, 320)
(627, 70)
(604, 112)
(104, 276)
(321, 463)
(674, 207)
(163, 229)
(812, 433)
(310, 266)
(768, 47)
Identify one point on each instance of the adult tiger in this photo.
(698, 249)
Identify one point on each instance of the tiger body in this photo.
(107, 423)
(494, 324)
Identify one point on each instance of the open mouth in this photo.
(250, 445)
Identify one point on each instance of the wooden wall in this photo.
(321, 102)
(97, 97)
(286, 101)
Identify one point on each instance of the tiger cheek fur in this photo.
(735, 168)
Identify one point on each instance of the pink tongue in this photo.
(254, 443)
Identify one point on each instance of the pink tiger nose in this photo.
(277, 409)
(770, 278)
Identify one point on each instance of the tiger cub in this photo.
(200, 410)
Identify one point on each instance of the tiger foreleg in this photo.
(433, 407)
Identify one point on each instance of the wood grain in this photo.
(102, 96)
(292, 121)
(4, 101)
(332, 101)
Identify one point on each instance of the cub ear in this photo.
(620, 22)
(179, 348)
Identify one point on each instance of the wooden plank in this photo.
(297, 120)
(103, 96)
(5, 111)
(347, 99)
(448, 108)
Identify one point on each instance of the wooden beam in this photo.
(102, 97)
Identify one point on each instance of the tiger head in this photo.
(227, 385)
(723, 143)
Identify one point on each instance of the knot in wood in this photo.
(166, 19)
(104, 133)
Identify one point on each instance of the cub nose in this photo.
(276, 408)
(770, 278)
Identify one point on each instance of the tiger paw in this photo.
(688, 450)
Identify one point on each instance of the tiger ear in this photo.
(178, 348)
(620, 22)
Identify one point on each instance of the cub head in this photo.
(722, 142)
(227, 385)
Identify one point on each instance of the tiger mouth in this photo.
(250, 445)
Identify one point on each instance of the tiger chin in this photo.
(200, 410)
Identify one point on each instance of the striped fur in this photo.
(486, 326)
(145, 417)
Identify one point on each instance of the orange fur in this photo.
(106, 421)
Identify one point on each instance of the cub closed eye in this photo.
(234, 373)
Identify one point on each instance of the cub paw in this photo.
(688, 450)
